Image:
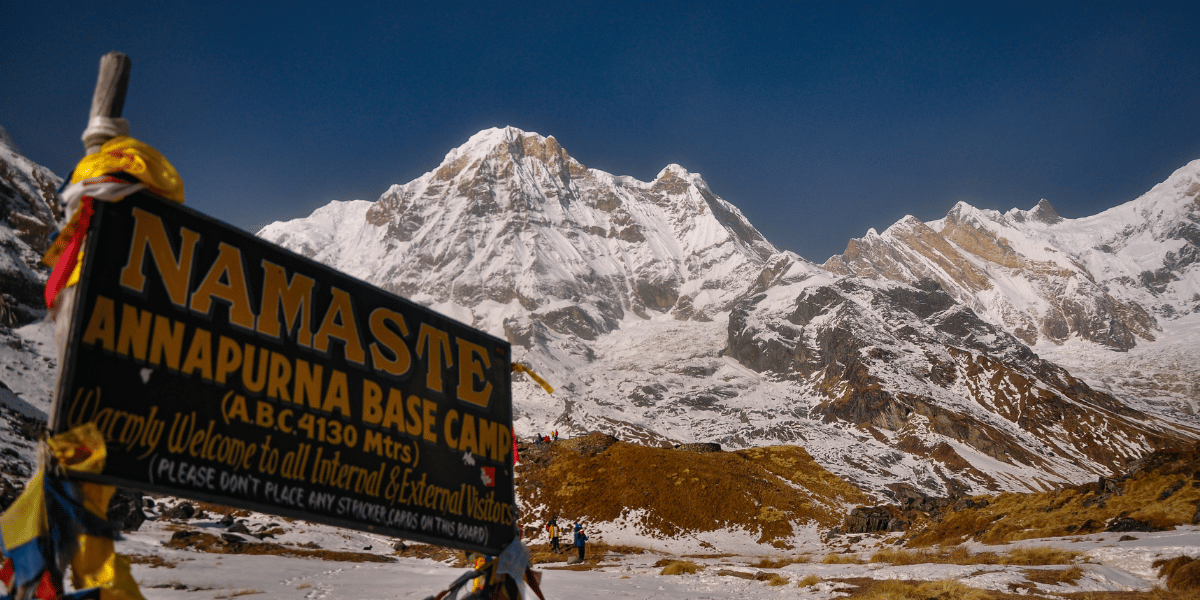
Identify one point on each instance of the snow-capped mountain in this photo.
(1126, 279)
(925, 375)
(663, 316)
(28, 215)
(1107, 279)
(28, 218)
(512, 235)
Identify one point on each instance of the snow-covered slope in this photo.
(1126, 279)
(621, 293)
(662, 316)
(512, 235)
(28, 216)
(926, 376)
(1107, 279)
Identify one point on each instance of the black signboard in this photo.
(223, 368)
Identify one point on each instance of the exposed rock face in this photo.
(29, 215)
(529, 243)
(1105, 279)
(871, 519)
(125, 509)
(912, 365)
(661, 316)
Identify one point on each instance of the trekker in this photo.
(552, 528)
(555, 434)
(580, 540)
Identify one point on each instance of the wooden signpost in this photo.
(223, 368)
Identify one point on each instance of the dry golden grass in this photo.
(217, 509)
(841, 559)
(688, 491)
(905, 557)
(809, 581)
(775, 579)
(678, 567)
(1182, 574)
(1054, 576)
(1153, 594)
(206, 542)
(927, 590)
(959, 555)
(871, 589)
(1013, 517)
(432, 552)
(778, 563)
(541, 553)
(1039, 555)
(153, 560)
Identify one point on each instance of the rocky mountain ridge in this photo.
(663, 317)
(29, 215)
(511, 234)
(1107, 279)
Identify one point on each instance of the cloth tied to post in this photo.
(57, 522)
(123, 166)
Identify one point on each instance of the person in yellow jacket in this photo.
(552, 529)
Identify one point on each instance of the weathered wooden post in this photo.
(104, 123)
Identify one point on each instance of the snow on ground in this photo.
(1108, 564)
(27, 357)
(1161, 377)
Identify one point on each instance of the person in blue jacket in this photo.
(580, 540)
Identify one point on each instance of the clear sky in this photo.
(818, 120)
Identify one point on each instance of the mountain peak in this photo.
(514, 236)
(673, 170)
(1045, 213)
(497, 150)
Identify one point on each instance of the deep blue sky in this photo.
(819, 121)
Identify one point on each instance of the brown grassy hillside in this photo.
(1159, 493)
(763, 490)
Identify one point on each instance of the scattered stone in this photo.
(868, 519)
(9, 492)
(699, 447)
(233, 540)
(970, 503)
(1126, 538)
(181, 511)
(1171, 489)
(573, 559)
(125, 509)
(239, 527)
(400, 547)
(183, 534)
(227, 520)
(1128, 524)
(732, 573)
